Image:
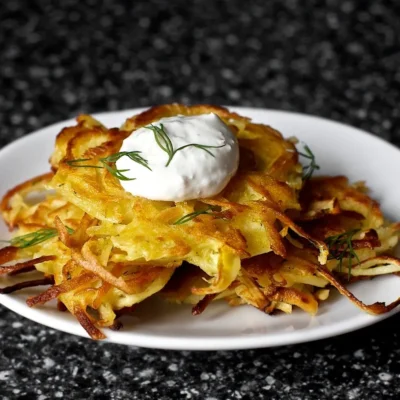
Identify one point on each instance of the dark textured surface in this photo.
(338, 59)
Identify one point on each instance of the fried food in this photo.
(269, 239)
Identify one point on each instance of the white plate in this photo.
(339, 149)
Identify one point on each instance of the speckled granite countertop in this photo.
(338, 59)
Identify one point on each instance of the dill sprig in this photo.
(118, 173)
(133, 155)
(309, 169)
(189, 217)
(34, 238)
(164, 142)
(113, 158)
(340, 247)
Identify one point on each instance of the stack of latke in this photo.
(270, 239)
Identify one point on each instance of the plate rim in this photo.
(208, 344)
(204, 343)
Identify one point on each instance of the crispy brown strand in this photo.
(268, 263)
(7, 254)
(83, 136)
(105, 286)
(321, 246)
(80, 236)
(88, 261)
(376, 308)
(225, 204)
(24, 265)
(227, 215)
(250, 291)
(27, 284)
(270, 290)
(63, 234)
(68, 269)
(364, 244)
(203, 303)
(105, 148)
(290, 295)
(369, 241)
(383, 260)
(378, 261)
(145, 276)
(284, 162)
(87, 324)
(22, 270)
(307, 266)
(281, 282)
(101, 292)
(321, 188)
(167, 110)
(330, 225)
(4, 205)
(311, 215)
(272, 190)
(56, 290)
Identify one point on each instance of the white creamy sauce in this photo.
(192, 173)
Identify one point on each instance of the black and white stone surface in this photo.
(337, 59)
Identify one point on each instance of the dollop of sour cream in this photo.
(192, 173)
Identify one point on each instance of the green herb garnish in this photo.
(164, 142)
(33, 238)
(133, 155)
(309, 169)
(189, 217)
(106, 161)
(340, 247)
